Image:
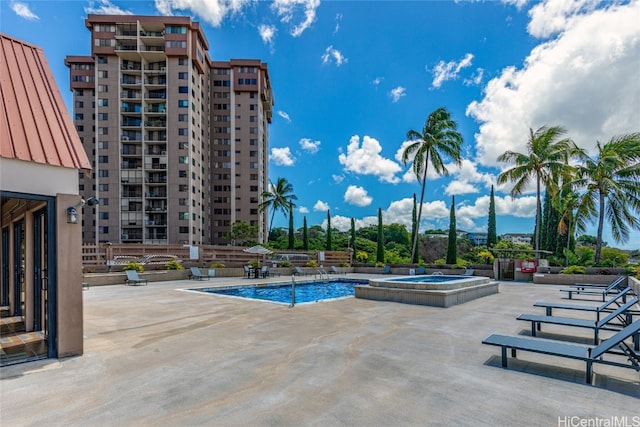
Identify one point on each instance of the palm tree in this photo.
(278, 197)
(439, 136)
(612, 187)
(545, 159)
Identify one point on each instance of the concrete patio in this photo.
(155, 355)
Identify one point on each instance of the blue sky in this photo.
(350, 78)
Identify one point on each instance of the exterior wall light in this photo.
(72, 215)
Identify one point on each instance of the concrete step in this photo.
(11, 325)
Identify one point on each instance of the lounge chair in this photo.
(603, 308)
(299, 271)
(589, 355)
(196, 274)
(134, 279)
(611, 288)
(386, 270)
(247, 272)
(621, 313)
(468, 272)
(334, 270)
(421, 270)
(616, 282)
(264, 271)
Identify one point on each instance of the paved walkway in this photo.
(157, 356)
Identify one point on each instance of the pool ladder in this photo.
(324, 276)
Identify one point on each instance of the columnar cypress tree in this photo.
(292, 239)
(492, 236)
(380, 252)
(328, 231)
(305, 236)
(546, 222)
(414, 227)
(353, 234)
(452, 248)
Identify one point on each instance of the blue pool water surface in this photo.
(305, 291)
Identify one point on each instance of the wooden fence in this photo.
(100, 257)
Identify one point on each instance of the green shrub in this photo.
(132, 265)
(217, 265)
(486, 256)
(440, 261)
(312, 263)
(574, 269)
(362, 256)
(284, 263)
(173, 265)
(380, 264)
(345, 264)
(254, 263)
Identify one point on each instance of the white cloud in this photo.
(475, 78)
(465, 176)
(455, 188)
(521, 207)
(517, 3)
(401, 212)
(581, 81)
(309, 146)
(397, 93)
(333, 55)
(366, 160)
(552, 16)
(267, 33)
(282, 156)
(338, 19)
(444, 71)
(337, 178)
(321, 206)
(287, 8)
(210, 11)
(376, 82)
(303, 210)
(105, 7)
(284, 115)
(22, 10)
(357, 196)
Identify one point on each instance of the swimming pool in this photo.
(281, 292)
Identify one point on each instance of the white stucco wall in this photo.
(37, 178)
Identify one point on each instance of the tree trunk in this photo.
(424, 182)
(538, 212)
(600, 228)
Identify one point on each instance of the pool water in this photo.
(305, 291)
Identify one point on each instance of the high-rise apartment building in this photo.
(178, 142)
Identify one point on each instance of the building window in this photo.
(183, 89)
(79, 116)
(182, 174)
(183, 75)
(103, 88)
(103, 74)
(183, 117)
(103, 159)
(176, 29)
(103, 187)
(183, 145)
(183, 215)
(79, 92)
(183, 103)
(104, 215)
(253, 119)
(103, 102)
(103, 131)
(103, 60)
(253, 107)
(183, 159)
(103, 116)
(104, 201)
(103, 230)
(183, 230)
(253, 130)
(253, 141)
(183, 131)
(103, 173)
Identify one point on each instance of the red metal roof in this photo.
(35, 125)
